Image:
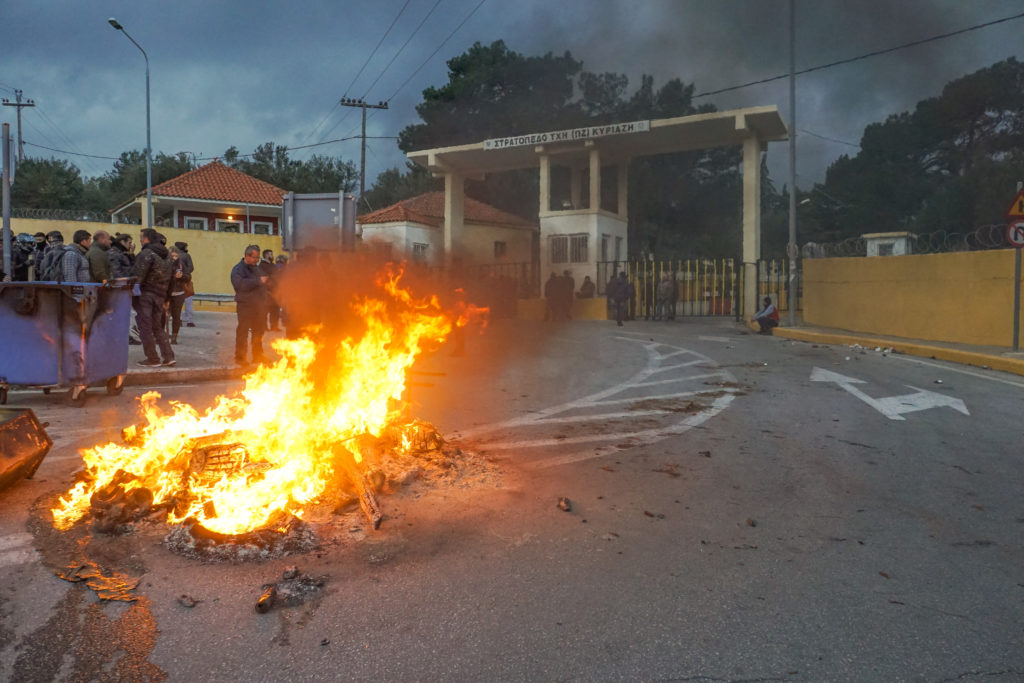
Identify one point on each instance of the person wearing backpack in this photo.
(153, 269)
(48, 269)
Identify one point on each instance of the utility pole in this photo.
(19, 104)
(791, 248)
(349, 102)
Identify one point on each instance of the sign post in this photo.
(1015, 236)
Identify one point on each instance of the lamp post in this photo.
(149, 150)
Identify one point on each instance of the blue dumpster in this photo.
(64, 335)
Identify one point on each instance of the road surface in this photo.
(742, 508)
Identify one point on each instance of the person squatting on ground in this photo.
(99, 264)
(153, 269)
(179, 282)
(250, 304)
(767, 317)
(618, 293)
(587, 289)
(268, 268)
(188, 315)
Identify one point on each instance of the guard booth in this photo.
(583, 176)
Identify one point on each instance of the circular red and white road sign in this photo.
(1015, 234)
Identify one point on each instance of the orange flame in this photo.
(291, 417)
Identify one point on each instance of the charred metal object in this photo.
(23, 445)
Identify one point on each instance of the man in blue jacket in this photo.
(250, 304)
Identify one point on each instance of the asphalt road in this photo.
(731, 519)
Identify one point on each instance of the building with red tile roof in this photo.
(213, 197)
(413, 229)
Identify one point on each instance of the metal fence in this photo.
(985, 237)
(495, 285)
(700, 287)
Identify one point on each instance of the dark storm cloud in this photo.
(241, 73)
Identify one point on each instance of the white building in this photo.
(413, 230)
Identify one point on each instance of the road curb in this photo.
(981, 360)
(182, 375)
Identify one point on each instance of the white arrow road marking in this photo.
(17, 549)
(892, 406)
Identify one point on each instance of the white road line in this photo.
(601, 416)
(981, 375)
(688, 364)
(677, 379)
(639, 438)
(715, 339)
(660, 397)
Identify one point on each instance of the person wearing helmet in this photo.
(21, 256)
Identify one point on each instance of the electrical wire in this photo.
(866, 55)
(436, 50)
(825, 137)
(388, 66)
(360, 72)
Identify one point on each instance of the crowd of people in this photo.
(161, 276)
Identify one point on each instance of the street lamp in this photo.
(149, 150)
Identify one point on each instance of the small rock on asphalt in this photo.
(751, 522)
(564, 504)
(187, 601)
(290, 572)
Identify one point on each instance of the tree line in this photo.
(947, 165)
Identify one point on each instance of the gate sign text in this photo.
(568, 135)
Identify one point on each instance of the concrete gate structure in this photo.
(585, 220)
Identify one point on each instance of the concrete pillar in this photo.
(576, 186)
(545, 183)
(454, 224)
(595, 179)
(752, 148)
(622, 176)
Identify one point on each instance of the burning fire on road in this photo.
(324, 417)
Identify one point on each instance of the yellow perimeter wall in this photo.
(962, 297)
(213, 253)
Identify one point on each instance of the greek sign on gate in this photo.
(570, 135)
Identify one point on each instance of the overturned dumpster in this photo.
(23, 445)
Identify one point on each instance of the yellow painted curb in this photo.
(1011, 365)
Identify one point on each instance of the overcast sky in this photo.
(242, 72)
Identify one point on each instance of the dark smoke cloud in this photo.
(241, 73)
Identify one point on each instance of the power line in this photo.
(874, 53)
(401, 49)
(438, 49)
(377, 47)
(97, 156)
(825, 137)
(360, 72)
(64, 151)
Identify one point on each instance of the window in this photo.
(500, 250)
(228, 226)
(262, 228)
(419, 252)
(559, 249)
(885, 248)
(604, 247)
(618, 248)
(578, 249)
(195, 223)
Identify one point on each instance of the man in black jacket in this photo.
(120, 256)
(153, 270)
(250, 304)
